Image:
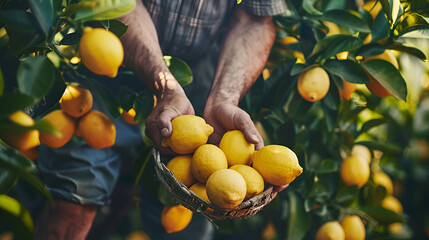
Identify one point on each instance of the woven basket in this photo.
(190, 200)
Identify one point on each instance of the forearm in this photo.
(242, 58)
(143, 54)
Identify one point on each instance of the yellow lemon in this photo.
(353, 228)
(188, 133)
(129, 115)
(374, 86)
(181, 168)
(200, 190)
(254, 180)
(382, 179)
(101, 51)
(76, 101)
(354, 171)
(342, 55)
(347, 90)
(21, 140)
(277, 164)
(226, 188)
(61, 122)
(361, 152)
(395, 228)
(330, 231)
(175, 218)
(206, 160)
(391, 203)
(237, 150)
(313, 84)
(97, 129)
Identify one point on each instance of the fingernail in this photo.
(164, 132)
(254, 138)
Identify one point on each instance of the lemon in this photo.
(137, 235)
(254, 180)
(347, 90)
(188, 133)
(354, 171)
(61, 122)
(97, 129)
(361, 152)
(181, 168)
(277, 164)
(129, 115)
(313, 84)
(200, 190)
(21, 140)
(206, 160)
(175, 218)
(395, 228)
(101, 51)
(382, 179)
(237, 150)
(330, 231)
(76, 101)
(391, 203)
(353, 228)
(226, 188)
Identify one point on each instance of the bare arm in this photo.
(242, 58)
(143, 55)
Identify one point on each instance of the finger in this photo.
(261, 143)
(152, 133)
(163, 122)
(244, 123)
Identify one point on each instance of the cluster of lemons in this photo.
(355, 171)
(222, 175)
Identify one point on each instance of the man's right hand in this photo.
(171, 103)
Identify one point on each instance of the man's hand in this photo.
(227, 116)
(172, 103)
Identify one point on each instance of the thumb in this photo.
(163, 122)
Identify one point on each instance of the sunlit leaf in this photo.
(412, 22)
(115, 26)
(308, 6)
(331, 45)
(104, 9)
(411, 50)
(16, 216)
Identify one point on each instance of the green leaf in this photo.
(330, 116)
(43, 10)
(382, 146)
(372, 123)
(140, 163)
(180, 70)
(22, 42)
(143, 105)
(280, 133)
(107, 97)
(20, 101)
(105, 9)
(346, 19)
(18, 20)
(346, 194)
(126, 98)
(348, 70)
(19, 165)
(1, 83)
(331, 45)
(71, 39)
(35, 76)
(371, 49)
(380, 28)
(165, 196)
(7, 181)
(388, 76)
(412, 22)
(299, 221)
(327, 166)
(386, 8)
(308, 6)
(411, 50)
(115, 26)
(299, 68)
(298, 107)
(17, 217)
(46, 127)
(382, 215)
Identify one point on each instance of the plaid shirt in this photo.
(189, 28)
